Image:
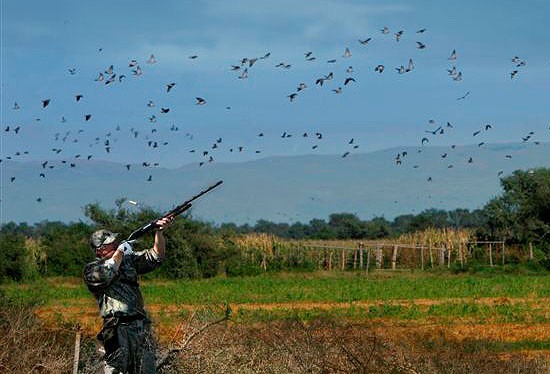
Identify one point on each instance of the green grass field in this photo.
(301, 287)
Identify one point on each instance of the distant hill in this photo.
(281, 189)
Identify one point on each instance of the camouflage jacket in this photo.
(117, 292)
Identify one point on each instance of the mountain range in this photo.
(280, 189)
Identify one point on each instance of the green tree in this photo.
(528, 196)
(377, 228)
(347, 226)
(12, 255)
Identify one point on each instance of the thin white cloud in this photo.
(250, 28)
(318, 18)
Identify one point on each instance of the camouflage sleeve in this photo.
(146, 261)
(98, 275)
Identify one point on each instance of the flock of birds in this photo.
(242, 69)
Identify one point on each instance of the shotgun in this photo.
(172, 213)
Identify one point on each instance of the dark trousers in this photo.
(129, 347)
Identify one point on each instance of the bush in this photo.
(12, 256)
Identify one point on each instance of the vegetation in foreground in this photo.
(320, 345)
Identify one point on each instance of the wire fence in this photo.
(384, 255)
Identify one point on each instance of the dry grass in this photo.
(283, 346)
(28, 346)
(324, 346)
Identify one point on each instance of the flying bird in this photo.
(137, 71)
(453, 56)
(45, 103)
(347, 53)
(348, 80)
(410, 65)
(244, 74)
(398, 35)
(169, 86)
(200, 101)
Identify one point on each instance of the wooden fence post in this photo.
(355, 259)
(264, 261)
(422, 257)
(530, 250)
(502, 253)
(360, 256)
(368, 260)
(76, 358)
(394, 257)
(379, 256)
(491, 254)
(441, 256)
(343, 260)
(330, 260)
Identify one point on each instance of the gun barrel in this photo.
(172, 213)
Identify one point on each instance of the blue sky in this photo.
(42, 40)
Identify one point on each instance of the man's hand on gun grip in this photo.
(164, 222)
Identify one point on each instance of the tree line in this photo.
(195, 249)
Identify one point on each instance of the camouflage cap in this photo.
(101, 237)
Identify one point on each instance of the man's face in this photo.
(106, 250)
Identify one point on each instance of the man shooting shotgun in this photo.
(112, 278)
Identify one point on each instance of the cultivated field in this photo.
(316, 322)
